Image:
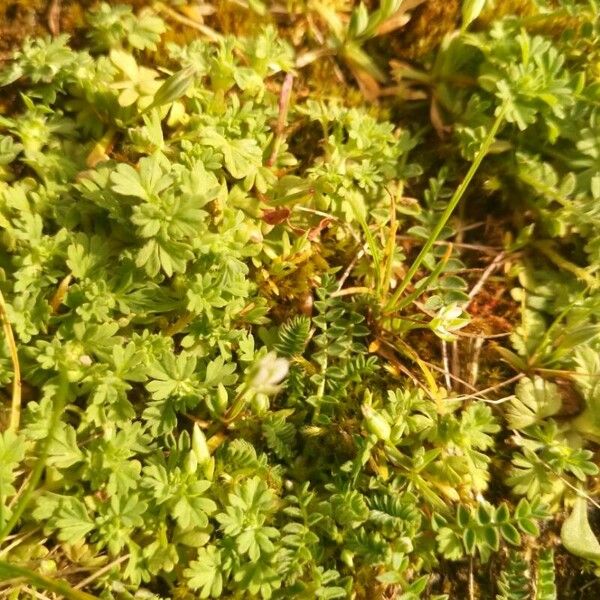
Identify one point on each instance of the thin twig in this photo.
(390, 356)
(320, 213)
(284, 104)
(57, 586)
(479, 247)
(53, 15)
(313, 211)
(18, 539)
(15, 498)
(566, 372)
(390, 246)
(349, 268)
(487, 400)
(587, 585)
(492, 336)
(308, 57)
(211, 34)
(351, 290)
(446, 364)
(493, 388)
(486, 275)
(101, 571)
(579, 491)
(455, 369)
(35, 593)
(453, 377)
(15, 407)
(474, 364)
(471, 580)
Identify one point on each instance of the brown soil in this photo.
(20, 19)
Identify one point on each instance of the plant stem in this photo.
(391, 242)
(40, 464)
(8, 571)
(429, 280)
(15, 406)
(545, 247)
(371, 242)
(452, 204)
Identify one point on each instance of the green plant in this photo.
(265, 339)
(545, 585)
(514, 580)
(481, 530)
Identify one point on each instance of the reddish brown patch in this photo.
(276, 216)
(315, 232)
(493, 310)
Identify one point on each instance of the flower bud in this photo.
(260, 404)
(222, 398)
(199, 445)
(375, 423)
(190, 463)
(85, 360)
(348, 558)
(208, 469)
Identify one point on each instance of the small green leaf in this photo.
(358, 21)
(491, 537)
(125, 62)
(577, 535)
(529, 526)
(510, 534)
(242, 157)
(484, 515)
(502, 513)
(523, 509)
(449, 543)
(174, 87)
(536, 399)
(469, 540)
(462, 515)
(471, 9)
(126, 181)
(73, 521)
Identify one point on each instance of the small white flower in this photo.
(449, 319)
(269, 373)
(85, 360)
